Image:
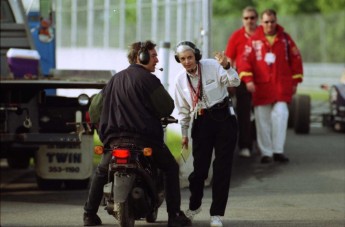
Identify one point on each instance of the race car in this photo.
(302, 114)
(336, 116)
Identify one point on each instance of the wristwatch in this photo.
(227, 66)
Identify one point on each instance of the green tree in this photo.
(230, 7)
(283, 7)
(327, 6)
(290, 7)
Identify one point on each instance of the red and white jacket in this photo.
(234, 48)
(273, 81)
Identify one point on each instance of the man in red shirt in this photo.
(271, 67)
(233, 51)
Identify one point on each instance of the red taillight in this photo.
(121, 153)
(121, 156)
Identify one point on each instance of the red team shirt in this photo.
(235, 46)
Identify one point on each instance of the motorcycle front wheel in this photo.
(125, 214)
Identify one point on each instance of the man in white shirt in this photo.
(201, 97)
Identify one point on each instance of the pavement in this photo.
(308, 191)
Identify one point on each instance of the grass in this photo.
(174, 143)
(315, 95)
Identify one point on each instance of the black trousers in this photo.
(163, 159)
(214, 130)
(246, 127)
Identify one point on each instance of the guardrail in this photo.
(316, 74)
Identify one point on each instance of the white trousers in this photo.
(271, 125)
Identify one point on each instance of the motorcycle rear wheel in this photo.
(152, 217)
(125, 214)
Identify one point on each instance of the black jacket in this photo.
(134, 101)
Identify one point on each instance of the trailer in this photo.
(35, 123)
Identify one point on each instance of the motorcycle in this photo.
(135, 188)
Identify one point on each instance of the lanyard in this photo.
(196, 94)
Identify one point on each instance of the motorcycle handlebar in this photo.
(168, 120)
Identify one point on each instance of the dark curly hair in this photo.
(134, 49)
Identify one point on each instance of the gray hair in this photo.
(183, 48)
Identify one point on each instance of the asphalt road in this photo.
(308, 191)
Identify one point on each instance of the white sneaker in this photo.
(216, 221)
(245, 152)
(191, 213)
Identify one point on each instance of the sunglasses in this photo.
(252, 18)
(269, 22)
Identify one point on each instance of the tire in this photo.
(302, 114)
(21, 162)
(292, 109)
(44, 184)
(19, 158)
(126, 215)
(77, 184)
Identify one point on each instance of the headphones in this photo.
(191, 45)
(144, 55)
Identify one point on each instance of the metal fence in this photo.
(114, 24)
(117, 23)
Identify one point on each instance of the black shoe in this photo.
(280, 158)
(266, 160)
(179, 220)
(91, 219)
